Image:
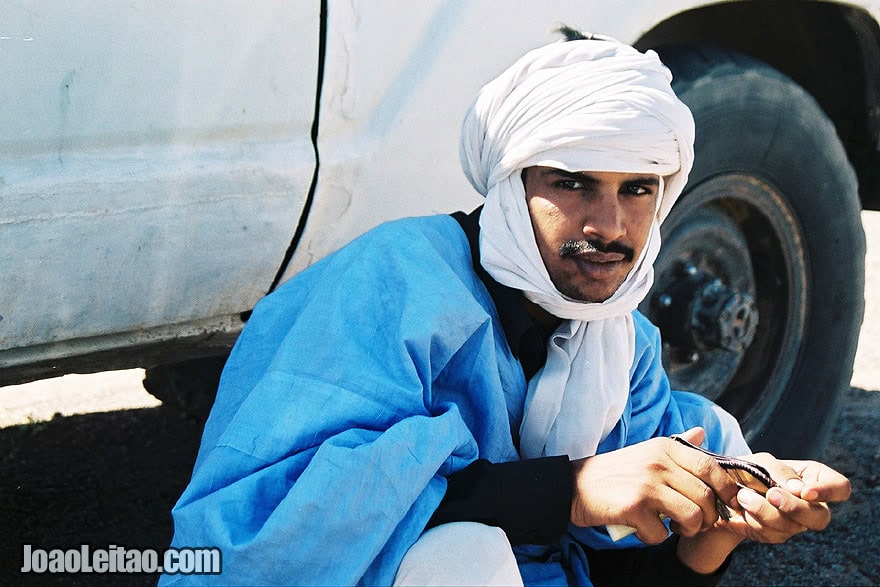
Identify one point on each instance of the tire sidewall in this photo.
(751, 119)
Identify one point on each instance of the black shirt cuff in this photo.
(530, 500)
(652, 565)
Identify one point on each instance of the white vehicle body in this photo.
(158, 173)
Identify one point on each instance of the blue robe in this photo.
(351, 394)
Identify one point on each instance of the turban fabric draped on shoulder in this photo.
(587, 105)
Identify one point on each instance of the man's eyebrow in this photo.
(652, 180)
(584, 176)
(575, 175)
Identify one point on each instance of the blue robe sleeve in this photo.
(337, 420)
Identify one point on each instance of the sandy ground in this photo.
(866, 373)
(73, 394)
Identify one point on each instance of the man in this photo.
(474, 399)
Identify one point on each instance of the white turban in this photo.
(590, 105)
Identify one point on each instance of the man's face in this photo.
(590, 226)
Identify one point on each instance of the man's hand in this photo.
(800, 504)
(637, 484)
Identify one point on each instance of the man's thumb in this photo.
(695, 435)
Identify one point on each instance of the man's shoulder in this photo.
(643, 324)
(417, 240)
(647, 333)
(428, 226)
(401, 249)
(405, 248)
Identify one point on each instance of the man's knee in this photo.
(460, 553)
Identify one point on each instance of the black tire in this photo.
(759, 284)
(188, 386)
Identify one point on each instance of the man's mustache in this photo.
(572, 247)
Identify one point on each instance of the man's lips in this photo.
(601, 257)
(597, 270)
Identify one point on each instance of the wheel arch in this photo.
(831, 50)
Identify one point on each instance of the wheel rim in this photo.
(729, 295)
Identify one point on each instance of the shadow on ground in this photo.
(97, 479)
(111, 479)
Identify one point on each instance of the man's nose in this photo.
(603, 218)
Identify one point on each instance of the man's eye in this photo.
(637, 190)
(570, 184)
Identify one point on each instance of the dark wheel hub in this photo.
(729, 267)
(699, 312)
(726, 318)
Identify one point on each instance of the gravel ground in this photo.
(111, 478)
(848, 551)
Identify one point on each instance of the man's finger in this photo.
(705, 468)
(689, 513)
(766, 522)
(809, 480)
(695, 435)
(821, 482)
(810, 515)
